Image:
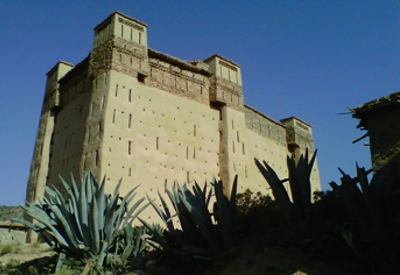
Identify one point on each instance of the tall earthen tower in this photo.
(127, 111)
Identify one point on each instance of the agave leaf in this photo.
(312, 161)
(70, 238)
(116, 190)
(50, 191)
(95, 228)
(278, 190)
(232, 202)
(60, 262)
(225, 213)
(74, 187)
(83, 204)
(295, 186)
(138, 212)
(24, 222)
(165, 216)
(174, 198)
(201, 219)
(72, 215)
(348, 201)
(127, 251)
(101, 204)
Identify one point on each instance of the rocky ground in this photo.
(14, 249)
(253, 258)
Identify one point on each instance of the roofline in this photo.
(294, 117)
(177, 62)
(55, 66)
(264, 116)
(223, 58)
(105, 21)
(381, 102)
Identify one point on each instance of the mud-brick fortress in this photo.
(127, 111)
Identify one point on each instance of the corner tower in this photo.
(225, 82)
(120, 44)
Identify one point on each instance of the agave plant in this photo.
(84, 226)
(203, 234)
(296, 213)
(130, 241)
(373, 224)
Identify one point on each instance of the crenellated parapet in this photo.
(225, 82)
(179, 77)
(120, 44)
(299, 136)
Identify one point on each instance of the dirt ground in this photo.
(14, 249)
(254, 258)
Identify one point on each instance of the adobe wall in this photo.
(384, 135)
(153, 138)
(68, 137)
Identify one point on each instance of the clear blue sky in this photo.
(310, 59)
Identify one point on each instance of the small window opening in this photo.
(237, 136)
(130, 121)
(130, 95)
(141, 78)
(122, 30)
(187, 152)
(157, 143)
(129, 147)
(194, 130)
(140, 38)
(116, 90)
(243, 149)
(131, 34)
(114, 114)
(103, 102)
(97, 158)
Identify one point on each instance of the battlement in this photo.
(225, 82)
(121, 26)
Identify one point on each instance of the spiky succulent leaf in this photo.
(85, 226)
(199, 237)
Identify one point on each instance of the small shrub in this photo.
(6, 249)
(255, 212)
(36, 244)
